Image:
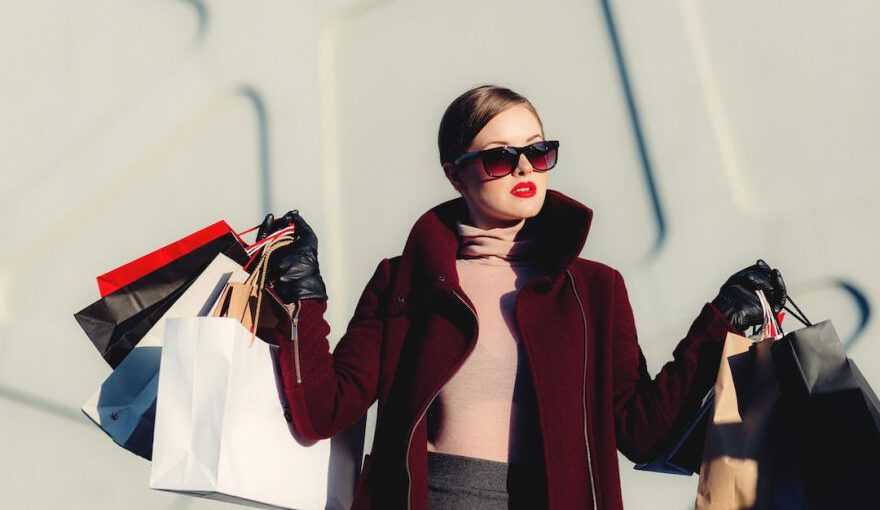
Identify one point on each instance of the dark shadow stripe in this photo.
(203, 19)
(863, 306)
(635, 122)
(42, 404)
(263, 135)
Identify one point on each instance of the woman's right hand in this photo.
(293, 269)
(739, 303)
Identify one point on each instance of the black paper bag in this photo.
(833, 417)
(684, 455)
(117, 322)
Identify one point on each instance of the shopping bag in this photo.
(220, 430)
(117, 322)
(833, 416)
(736, 436)
(738, 455)
(124, 405)
(250, 302)
(114, 280)
(684, 455)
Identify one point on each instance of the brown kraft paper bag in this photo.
(736, 472)
(251, 302)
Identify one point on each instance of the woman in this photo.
(506, 368)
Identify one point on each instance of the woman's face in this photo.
(490, 200)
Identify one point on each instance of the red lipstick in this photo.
(524, 189)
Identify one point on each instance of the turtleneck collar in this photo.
(429, 254)
(500, 245)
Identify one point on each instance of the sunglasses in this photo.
(500, 161)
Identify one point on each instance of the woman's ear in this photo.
(453, 174)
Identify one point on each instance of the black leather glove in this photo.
(738, 302)
(293, 269)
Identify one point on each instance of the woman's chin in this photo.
(519, 213)
(526, 207)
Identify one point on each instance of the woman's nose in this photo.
(523, 166)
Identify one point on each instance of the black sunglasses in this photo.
(500, 161)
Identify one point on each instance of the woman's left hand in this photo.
(739, 303)
(293, 269)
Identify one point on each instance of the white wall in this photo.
(126, 124)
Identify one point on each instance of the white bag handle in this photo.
(771, 328)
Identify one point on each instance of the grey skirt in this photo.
(456, 482)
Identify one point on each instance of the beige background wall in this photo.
(126, 124)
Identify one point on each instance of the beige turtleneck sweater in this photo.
(487, 410)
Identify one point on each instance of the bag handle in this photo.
(256, 280)
(770, 318)
(260, 272)
(802, 318)
(253, 248)
(771, 327)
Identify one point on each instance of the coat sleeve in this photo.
(648, 411)
(327, 392)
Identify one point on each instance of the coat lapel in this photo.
(428, 258)
(427, 290)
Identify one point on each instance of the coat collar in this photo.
(431, 248)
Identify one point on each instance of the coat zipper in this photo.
(583, 400)
(584, 386)
(294, 337)
(433, 396)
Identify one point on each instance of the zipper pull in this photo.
(294, 321)
(294, 337)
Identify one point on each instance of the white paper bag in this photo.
(125, 403)
(220, 426)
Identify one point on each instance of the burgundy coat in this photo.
(414, 326)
